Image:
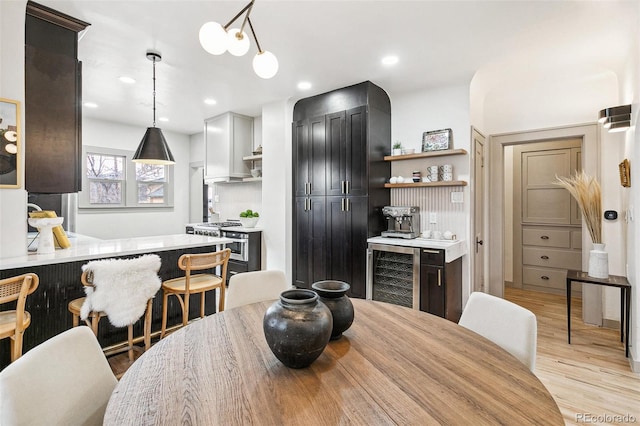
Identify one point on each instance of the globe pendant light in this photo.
(213, 38)
(237, 42)
(153, 148)
(216, 39)
(265, 64)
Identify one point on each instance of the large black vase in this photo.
(297, 327)
(333, 294)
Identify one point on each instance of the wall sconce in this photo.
(616, 119)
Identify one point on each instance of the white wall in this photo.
(13, 202)
(414, 113)
(276, 185)
(630, 93)
(143, 222)
(537, 101)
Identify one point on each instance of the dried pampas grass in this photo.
(586, 191)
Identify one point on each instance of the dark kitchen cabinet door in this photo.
(309, 153)
(309, 241)
(346, 136)
(53, 93)
(347, 242)
(440, 285)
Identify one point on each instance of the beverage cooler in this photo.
(393, 274)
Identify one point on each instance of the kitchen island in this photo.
(59, 274)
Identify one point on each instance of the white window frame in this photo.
(129, 184)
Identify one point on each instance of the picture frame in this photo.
(437, 140)
(10, 144)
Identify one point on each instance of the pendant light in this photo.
(217, 39)
(153, 148)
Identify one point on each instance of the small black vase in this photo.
(332, 294)
(297, 327)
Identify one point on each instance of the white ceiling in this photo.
(330, 44)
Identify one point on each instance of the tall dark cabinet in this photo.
(340, 139)
(53, 93)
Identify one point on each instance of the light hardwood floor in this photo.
(589, 377)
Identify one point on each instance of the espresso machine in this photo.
(402, 222)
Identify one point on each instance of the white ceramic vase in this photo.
(598, 262)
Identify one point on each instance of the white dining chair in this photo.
(255, 286)
(506, 324)
(64, 381)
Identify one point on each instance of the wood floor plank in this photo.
(590, 377)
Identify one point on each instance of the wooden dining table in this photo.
(395, 365)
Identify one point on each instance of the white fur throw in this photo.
(121, 288)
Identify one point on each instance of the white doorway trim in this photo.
(592, 297)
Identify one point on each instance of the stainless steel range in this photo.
(211, 229)
(246, 250)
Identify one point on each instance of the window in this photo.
(111, 180)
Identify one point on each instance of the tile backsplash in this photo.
(449, 216)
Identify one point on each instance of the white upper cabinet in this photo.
(227, 139)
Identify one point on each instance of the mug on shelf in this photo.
(447, 176)
(446, 168)
(432, 170)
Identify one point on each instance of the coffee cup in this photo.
(446, 168)
(447, 176)
(433, 177)
(447, 235)
(432, 170)
(393, 179)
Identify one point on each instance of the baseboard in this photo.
(634, 364)
(609, 323)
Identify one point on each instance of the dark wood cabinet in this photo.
(347, 241)
(53, 93)
(309, 241)
(440, 285)
(339, 141)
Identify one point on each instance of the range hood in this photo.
(227, 139)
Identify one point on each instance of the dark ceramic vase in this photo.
(297, 327)
(333, 294)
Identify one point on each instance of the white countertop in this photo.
(240, 229)
(85, 248)
(452, 249)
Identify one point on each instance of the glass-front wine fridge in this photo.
(393, 274)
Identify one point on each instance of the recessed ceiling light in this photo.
(390, 60)
(304, 85)
(127, 80)
(210, 101)
(163, 119)
(90, 104)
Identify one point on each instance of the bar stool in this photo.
(183, 287)
(120, 289)
(14, 322)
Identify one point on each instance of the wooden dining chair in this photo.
(14, 322)
(255, 286)
(122, 290)
(506, 324)
(191, 283)
(64, 381)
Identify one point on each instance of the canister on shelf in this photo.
(417, 176)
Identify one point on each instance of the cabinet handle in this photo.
(431, 251)
(544, 257)
(544, 277)
(307, 203)
(342, 187)
(309, 188)
(439, 277)
(342, 204)
(544, 237)
(348, 202)
(346, 186)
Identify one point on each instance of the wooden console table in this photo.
(613, 281)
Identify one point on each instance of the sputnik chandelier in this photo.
(217, 39)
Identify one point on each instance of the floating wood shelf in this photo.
(426, 184)
(425, 154)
